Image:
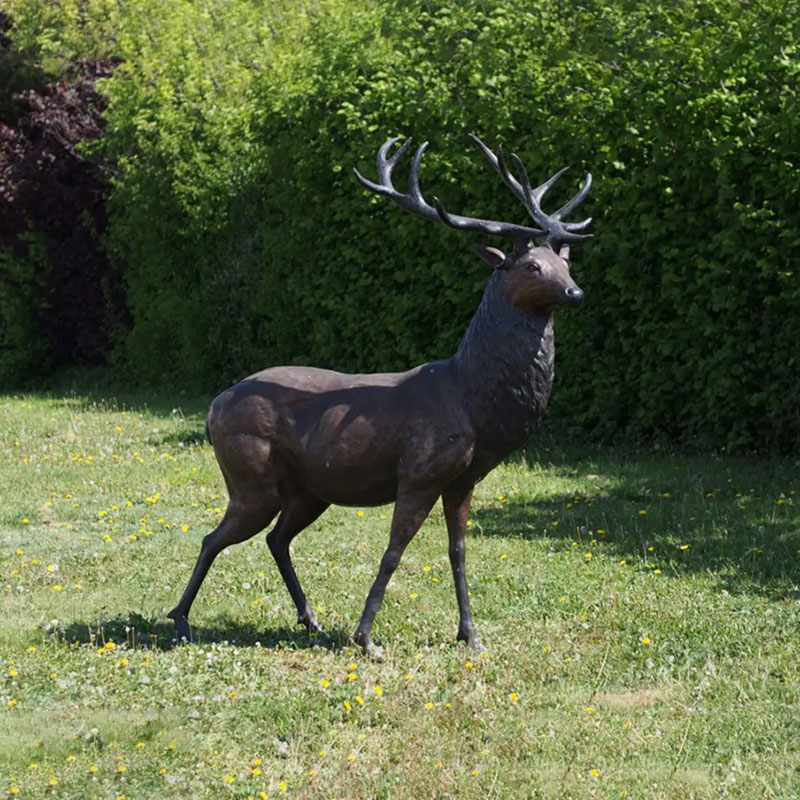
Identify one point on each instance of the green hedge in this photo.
(233, 127)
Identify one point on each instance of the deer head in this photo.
(536, 278)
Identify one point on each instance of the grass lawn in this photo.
(642, 612)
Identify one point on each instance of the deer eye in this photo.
(534, 267)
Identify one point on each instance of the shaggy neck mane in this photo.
(505, 367)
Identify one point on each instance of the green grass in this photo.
(641, 609)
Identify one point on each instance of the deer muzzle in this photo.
(573, 296)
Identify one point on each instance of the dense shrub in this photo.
(233, 126)
(58, 291)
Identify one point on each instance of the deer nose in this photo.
(574, 295)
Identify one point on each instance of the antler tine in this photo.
(385, 165)
(413, 175)
(527, 193)
(543, 188)
(569, 207)
(498, 163)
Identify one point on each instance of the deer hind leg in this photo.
(241, 522)
(298, 512)
(410, 511)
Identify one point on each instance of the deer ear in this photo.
(494, 257)
(564, 252)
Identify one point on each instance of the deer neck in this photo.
(505, 368)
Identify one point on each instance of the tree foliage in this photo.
(59, 295)
(233, 125)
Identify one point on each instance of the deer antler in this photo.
(553, 228)
(558, 232)
(413, 200)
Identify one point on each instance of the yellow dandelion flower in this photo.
(645, 640)
(359, 699)
(282, 786)
(346, 705)
(594, 772)
(513, 696)
(122, 768)
(53, 782)
(589, 709)
(429, 705)
(93, 768)
(324, 683)
(378, 691)
(229, 778)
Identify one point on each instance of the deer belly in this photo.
(348, 460)
(353, 484)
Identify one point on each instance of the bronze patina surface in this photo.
(290, 441)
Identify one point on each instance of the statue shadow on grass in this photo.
(747, 552)
(137, 631)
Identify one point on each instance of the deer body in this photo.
(323, 432)
(294, 440)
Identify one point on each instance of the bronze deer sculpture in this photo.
(296, 439)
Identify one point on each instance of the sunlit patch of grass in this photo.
(631, 654)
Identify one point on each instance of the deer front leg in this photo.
(456, 500)
(410, 511)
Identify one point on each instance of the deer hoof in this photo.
(374, 652)
(316, 633)
(472, 640)
(183, 633)
(368, 646)
(313, 627)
